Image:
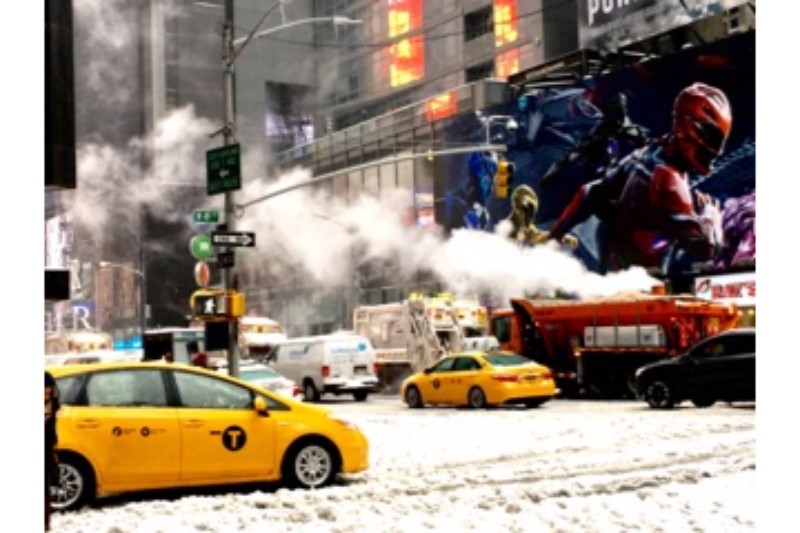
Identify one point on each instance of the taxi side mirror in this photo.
(260, 406)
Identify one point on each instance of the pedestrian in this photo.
(197, 356)
(52, 404)
(168, 357)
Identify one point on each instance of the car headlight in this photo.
(346, 424)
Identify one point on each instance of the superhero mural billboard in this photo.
(650, 165)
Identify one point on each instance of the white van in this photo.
(338, 364)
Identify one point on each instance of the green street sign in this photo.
(223, 169)
(205, 216)
(201, 247)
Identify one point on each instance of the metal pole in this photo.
(142, 278)
(228, 273)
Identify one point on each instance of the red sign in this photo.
(202, 274)
(441, 106)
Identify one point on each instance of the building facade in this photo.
(413, 76)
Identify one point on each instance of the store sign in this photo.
(609, 24)
(597, 12)
(739, 289)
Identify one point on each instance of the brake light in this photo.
(376, 368)
(506, 378)
(295, 391)
(326, 371)
(546, 375)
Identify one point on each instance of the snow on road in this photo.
(567, 466)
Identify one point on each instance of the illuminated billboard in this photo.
(610, 24)
(606, 166)
(406, 56)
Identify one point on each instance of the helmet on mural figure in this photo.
(702, 122)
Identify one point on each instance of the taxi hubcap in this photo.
(313, 465)
(70, 488)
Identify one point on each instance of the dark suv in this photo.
(722, 367)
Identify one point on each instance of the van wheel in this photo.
(310, 392)
(360, 396)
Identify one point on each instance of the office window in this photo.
(478, 23)
(479, 72)
(507, 63)
(505, 22)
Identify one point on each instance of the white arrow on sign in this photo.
(233, 239)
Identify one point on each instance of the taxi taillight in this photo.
(326, 371)
(506, 378)
(375, 368)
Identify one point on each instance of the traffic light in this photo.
(208, 304)
(234, 304)
(503, 178)
(217, 304)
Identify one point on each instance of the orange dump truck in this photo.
(595, 346)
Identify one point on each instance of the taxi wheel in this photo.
(76, 487)
(476, 398)
(414, 398)
(310, 464)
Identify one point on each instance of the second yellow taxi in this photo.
(480, 379)
(138, 426)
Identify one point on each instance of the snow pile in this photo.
(567, 466)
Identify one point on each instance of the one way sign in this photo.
(233, 238)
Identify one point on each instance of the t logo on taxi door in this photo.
(234, 438)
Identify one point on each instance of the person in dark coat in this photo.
(52, 404)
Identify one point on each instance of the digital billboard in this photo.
(651, 165)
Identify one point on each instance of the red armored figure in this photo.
(649, 214)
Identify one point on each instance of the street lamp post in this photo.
(231, 48)
(142, 292)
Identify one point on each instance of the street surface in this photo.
(567, 466)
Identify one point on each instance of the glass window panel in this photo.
(206, 392)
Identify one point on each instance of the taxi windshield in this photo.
(506, 360)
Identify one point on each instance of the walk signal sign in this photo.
(217, 304)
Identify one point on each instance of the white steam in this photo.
(114, 183)
(306, 232)
(320, 238)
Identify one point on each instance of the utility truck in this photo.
(594, 346)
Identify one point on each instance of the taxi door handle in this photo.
(88, 423)
(194, 423)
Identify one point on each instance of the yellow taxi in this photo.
(138, 426)
(480, 379)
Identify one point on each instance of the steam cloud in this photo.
(321, 237)
(306, 232)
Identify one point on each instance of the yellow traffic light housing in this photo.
(208, 304)
(235, 304)
(503, 178)
(217, 304)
